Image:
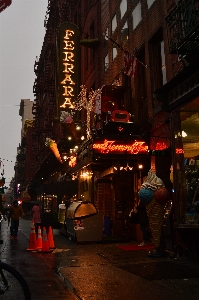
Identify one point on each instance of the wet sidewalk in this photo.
(43, 282)
(102, 271)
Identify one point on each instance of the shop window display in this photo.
(186, 163)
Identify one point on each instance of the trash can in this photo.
(83, 222)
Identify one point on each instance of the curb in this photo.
(68, 284)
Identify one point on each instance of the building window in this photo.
(140, 88)
(114, 24)
(106, 62)
(123, 8)
(125, 33)
(163, 63)
(92, 36)
(86, 58)
(106, 38)
(185, 168)
(137, 15)
(150, 2)
(114, 51)
(157, 60)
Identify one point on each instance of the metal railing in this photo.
(183, 27)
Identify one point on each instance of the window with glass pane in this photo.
(114, 53)
(50, 203)
(114, 24)
(157, 60)
(123, 8)
(150, 2)
(124, 33)
(106, 38)
(163, 63)
(141, 88)
(137, 15)
(186, 162)
(106, 62)
(48, 199)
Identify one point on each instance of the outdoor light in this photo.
(82, 137)
(78, 127)
(184, 134)
(69, 138)
(140, 166)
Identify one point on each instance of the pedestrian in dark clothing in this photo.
(143, 221)
(15, 213)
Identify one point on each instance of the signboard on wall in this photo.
(4, 4)
(67, 66)
(113, 146)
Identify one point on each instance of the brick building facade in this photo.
(106, 30)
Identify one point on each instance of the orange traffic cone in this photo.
(39, 239)
(50, 238)
(33, 240)
(33, 223)
(45, 245)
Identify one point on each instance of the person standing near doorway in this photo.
(15, 213)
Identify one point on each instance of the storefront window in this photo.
(50, 203)
(185, 166)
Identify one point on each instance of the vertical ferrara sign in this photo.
(68, 63)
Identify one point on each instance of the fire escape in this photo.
(183, 40)
(44, 107)
(183, 28)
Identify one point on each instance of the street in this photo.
(41, 278)
(98, 271)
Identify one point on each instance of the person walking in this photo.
(36, 216)
(15, 213)
(143, 221)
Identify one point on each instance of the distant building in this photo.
(23, 159)
(25, 111)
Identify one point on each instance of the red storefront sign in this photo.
(4, 4)
(136, 147)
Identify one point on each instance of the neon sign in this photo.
(112, 146)
(161, 146)
(179, 151)
(68, 60)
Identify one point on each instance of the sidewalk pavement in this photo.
(103, 271)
